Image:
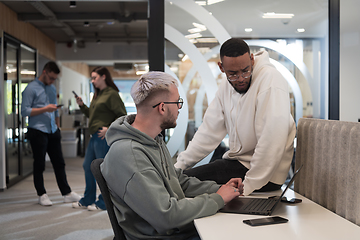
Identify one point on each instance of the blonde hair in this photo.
(150, 83)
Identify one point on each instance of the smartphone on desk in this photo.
(265, 221)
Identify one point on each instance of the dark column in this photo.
(156, 40)
(334, 59)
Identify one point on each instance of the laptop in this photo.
(258, 206)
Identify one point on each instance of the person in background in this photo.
(152, 199)
(105, 107)
(39, 104)
(253, 107)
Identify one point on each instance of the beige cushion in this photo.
(330, 152)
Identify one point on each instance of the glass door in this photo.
(27, 74)
(12, 130)
(20, 62)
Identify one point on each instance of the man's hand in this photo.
(231, 189)
(236, 183)
(51, 108)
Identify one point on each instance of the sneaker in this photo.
(93, 207)
(78, 205)
(44, 200)
(72, 197)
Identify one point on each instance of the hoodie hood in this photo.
(121, 129)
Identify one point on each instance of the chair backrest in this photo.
(330, 152)
(95, 169)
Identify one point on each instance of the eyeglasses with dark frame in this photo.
(179, 103)
(51, 78)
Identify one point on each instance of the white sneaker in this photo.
(44, 200)
(93, 207)
(72, 197)
(78, 205)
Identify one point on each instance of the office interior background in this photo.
(115, 34)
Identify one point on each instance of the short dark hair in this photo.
(51, 67)
(234, 47)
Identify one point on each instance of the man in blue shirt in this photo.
(39, 104)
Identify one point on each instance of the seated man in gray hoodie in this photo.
(152, 199)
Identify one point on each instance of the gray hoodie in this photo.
(152, 199)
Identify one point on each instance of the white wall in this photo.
(72, 81)
(349, 60)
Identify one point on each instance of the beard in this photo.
(169, 122)
(242, 90)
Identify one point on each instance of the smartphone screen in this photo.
(265, 221)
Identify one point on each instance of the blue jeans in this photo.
(97, 148)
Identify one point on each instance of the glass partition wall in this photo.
(294, 33)
(19, 70)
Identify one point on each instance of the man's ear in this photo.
(220, 66)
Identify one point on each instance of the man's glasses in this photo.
(234, 77)
(51, 78)
(179, 103)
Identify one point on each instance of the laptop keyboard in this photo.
(259, 204)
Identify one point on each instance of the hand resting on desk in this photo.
(231, 189)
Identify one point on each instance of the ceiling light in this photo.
(248, 30)
(207, 40)
(72, 4)
(200, 26)
(194, 30)
(195, 35)
(201, 3)
(209, 2)
(277, 15)
(301, 30)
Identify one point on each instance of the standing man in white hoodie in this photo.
(253, 107)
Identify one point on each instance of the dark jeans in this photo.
(222, 170)
(51, 143)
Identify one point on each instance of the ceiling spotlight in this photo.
(86, 24)
(248, 30)
(278, 15)
(301, 30)
(72, 4)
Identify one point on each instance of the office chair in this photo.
(95, 169)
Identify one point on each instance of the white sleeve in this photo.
(209, 135)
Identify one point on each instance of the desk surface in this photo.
(307, 220)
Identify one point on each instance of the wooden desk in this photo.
(307, 220)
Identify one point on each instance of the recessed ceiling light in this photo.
(301, 30)
(248, 29)
(277, 15)
(72, 4)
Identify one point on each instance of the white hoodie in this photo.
(260, 127)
